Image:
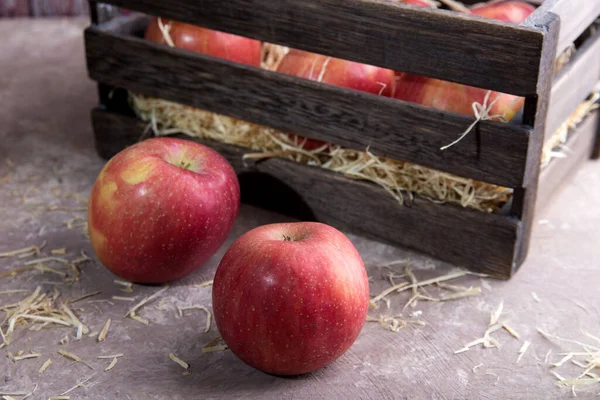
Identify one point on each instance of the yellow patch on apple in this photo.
(137, 172)
(96, 237)
(105, 197)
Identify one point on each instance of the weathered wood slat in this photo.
(435, 43)
(575, 17)
(580, 148)
(574, 84)
(494, 153)
(476, 240)
(524, 198)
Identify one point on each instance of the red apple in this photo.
(207, 41)
(508, 11)
(453, 97)
(290, 298)
(160, 208)
(338, 72)
(458, 98)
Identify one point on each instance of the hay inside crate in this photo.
(401, 179)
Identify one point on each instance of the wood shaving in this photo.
(405, 286)
(475, 368)
(75, 320)
(123, 283)
(214, 346)
(179, 361)
(37, 307)
(563, 360)
(452, 288)
(26, 255)
(104, 331)
(482, 113)
(78, 385)
(26, 356)
(85, 296)
(68, 355)
(204, 284)
(110, 356)
(112, 364)
(523, 350)
(549, 336)
(128, 285)
(120, 298)
(554, 146)
(495, 316)
(58, 252)
(45, 366)
(14, 291)
(208, 314)
(132, 312)
(47, 259)
(13, 253)
(390, 323)
(59, 398)
(456, 6)
(137, 318)
(578, 382)
(511, 331)
(578, 363)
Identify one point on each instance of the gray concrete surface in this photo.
(47, 160)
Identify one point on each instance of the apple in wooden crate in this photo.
(161, 208)
(290, 298)
(508, 11)
(206, 41)
(337, 72)
(454, 97)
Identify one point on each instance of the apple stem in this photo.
(185, 165)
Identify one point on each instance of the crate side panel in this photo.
(580, 148)
(459, 48)
(525, 198)
(494, 152)
(575, 17)
(574, 84)
(480, 241)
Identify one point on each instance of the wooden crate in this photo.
(514, 59)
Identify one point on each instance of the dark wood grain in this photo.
(435, 43)
(574, 84)
(596, 148)
(476, 240)
(575, 16)
(580, 147)
(524, 198)
(495, 152)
